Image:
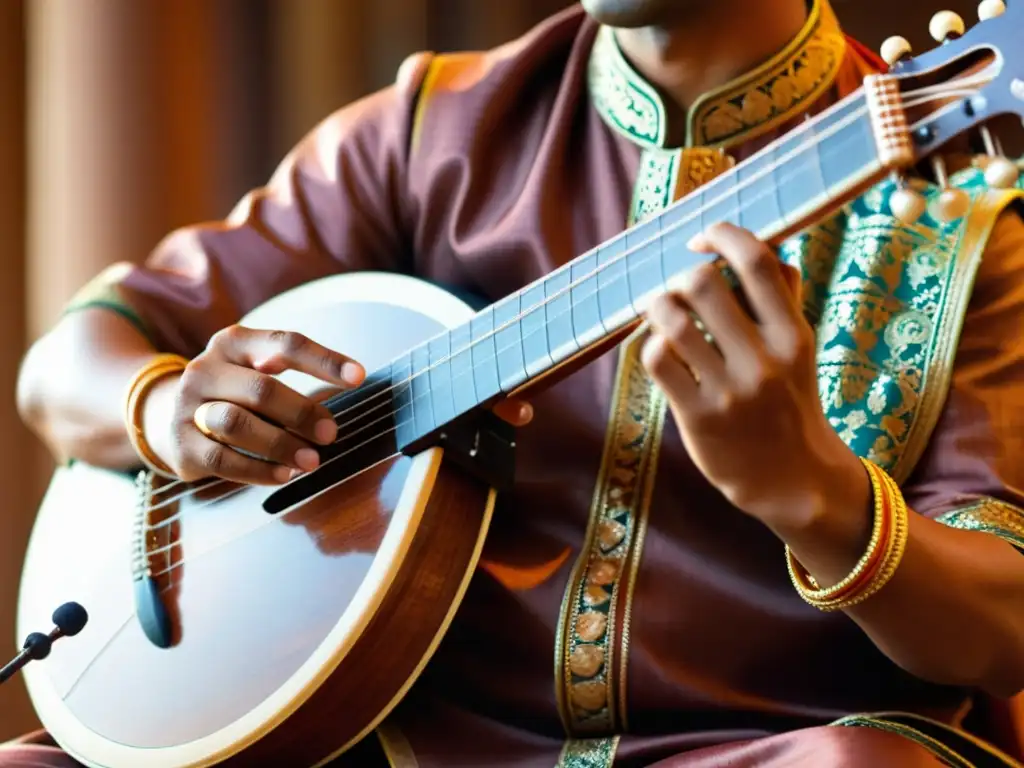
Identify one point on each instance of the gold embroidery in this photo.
(943, 740)
(990, 516)
(397, 748)
(670, 174)
(698, 166)
(945, 754)
(888, 302)
(588, 753)
(786, 85)
(589, 675)
(972, 242)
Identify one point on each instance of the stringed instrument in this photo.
(279, 626)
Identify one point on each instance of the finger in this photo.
(213, 459)
(324, 393)
(518, 413)
(266, 396)
(706, 292)
(668, 370)
(276, 351)
(231, 425)
(795, 282)
(758, 269)
(672, 320)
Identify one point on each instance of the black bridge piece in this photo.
(479, 443)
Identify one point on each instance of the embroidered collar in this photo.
(781, 88)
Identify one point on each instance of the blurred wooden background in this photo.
(122, 119)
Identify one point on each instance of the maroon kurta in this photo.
(485, 172)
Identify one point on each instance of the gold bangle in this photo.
(806, 585)
(138, 388)
(897, 545)
(878, 564)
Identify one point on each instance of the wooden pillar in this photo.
(15, 456)
(122, 148)
(319, 63)
(328, 53)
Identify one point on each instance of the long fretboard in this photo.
(531, 332)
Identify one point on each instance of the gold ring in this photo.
(679, 359)
(199, 419)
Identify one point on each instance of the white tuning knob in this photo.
(946, 25)
(989, 9)
(907, 205)
(1000, 173)
(952, 204)
(895, 49)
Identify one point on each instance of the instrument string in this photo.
(406, 383)
(375, 436)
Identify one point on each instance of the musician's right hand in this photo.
(228, 398)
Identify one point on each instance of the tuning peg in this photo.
(946, 26)
(906, 204)
(952, 203)
(895, 49)
(989, 9)
(1000, 173)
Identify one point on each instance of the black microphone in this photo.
(69, 619)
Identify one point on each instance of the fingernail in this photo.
(282, 474)
(325, 431)
(696, 243)
(353, 373)
(307, 459)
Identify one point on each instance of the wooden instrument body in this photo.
(320, 618)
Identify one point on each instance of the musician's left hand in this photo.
(747, 407)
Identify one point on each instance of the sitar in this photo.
(278, 626)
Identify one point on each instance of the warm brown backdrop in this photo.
(122, 119)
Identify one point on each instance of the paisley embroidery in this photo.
(887, 301)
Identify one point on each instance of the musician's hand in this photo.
(747, 406)
(228, 398)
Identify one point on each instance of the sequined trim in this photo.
(989, 516)
(888, 301)
(954, 746)
(786, 85)
(588, 674)
(588, 753)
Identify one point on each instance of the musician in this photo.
(679, 478)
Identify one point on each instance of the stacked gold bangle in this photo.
(884, 552)
(138, 388)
